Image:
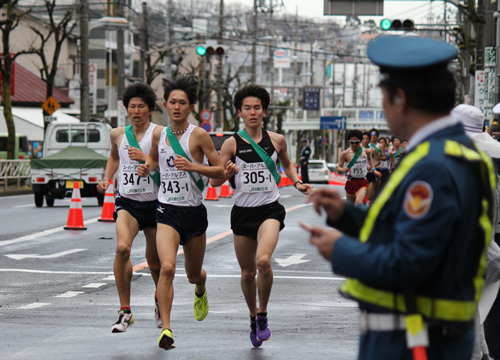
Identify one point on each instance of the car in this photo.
(318, 171)
(218, 138)
(332, 167)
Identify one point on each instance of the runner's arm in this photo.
(342, 161)
(227, 153)
(113, 160)
(151, 162)
(287, 165)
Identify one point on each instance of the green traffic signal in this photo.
(385, 24)
(201, 50)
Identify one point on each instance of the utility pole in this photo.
(480, 36)
(364, 85)
(343, 84)
(84, 62)
(120, 54)
(311, 61)
(167, 58)
(220, 59)
(325, 43)
(295, 54)
(271, 49)
(253, 79)
(144, 39)
(355, 84)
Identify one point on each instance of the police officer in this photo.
(416, 259)
(304, 161)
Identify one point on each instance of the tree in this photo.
(59, 31)
(231, 84)
(9, 23)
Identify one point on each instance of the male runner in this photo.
(182, 152)
(251, 158)
(385, 161)
(357, 165)
(372, 174)
(135, 205)
(375, 155)
(397, 151)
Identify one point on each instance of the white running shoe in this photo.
(124, 321)
(157, 315)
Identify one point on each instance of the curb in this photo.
(15, 192)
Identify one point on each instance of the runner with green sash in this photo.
(271, 165)
(355, 158)
(129, 132)
(180, 151)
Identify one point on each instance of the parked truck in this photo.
(72, 152)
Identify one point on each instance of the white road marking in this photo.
(42, 233)
(109, 278)
(285, 196)
(177, 274)
(221, 206)
(94, 285)
(292, 260)
(70, 294)
(32, 306)
(21, 206)
(36, 256)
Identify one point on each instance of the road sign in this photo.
(50, 105)
(333, 122)
(311, 98)
(206, 115)
(206, 126)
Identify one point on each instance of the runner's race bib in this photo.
(359, 169)
(175, 186)
(256, 177)
(133, 183)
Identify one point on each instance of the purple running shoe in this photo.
(263, 332)
(253, 334)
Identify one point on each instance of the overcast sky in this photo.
(415, 10)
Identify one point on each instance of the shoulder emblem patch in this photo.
(418, 199)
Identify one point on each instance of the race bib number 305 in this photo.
(256, 177)
(175, 186)
(133, 183)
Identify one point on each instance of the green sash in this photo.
(398, 152)
(353, 160)
(263, 155)
(376, 148)
(129, 132)
(180, 151)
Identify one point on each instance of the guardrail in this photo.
(14, 169)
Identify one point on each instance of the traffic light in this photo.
(209, 50)
(398, 25)
(129, 62)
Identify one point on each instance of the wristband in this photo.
(297, 182)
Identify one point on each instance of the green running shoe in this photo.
(166, 340)
(200, 305)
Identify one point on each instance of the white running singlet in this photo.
(360, 167)
(177, 187)
(132, 186)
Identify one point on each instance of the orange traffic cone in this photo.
(75, 217)
(108, 207)
(211, 193)
(224, 190)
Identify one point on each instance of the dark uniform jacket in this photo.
(426, 237)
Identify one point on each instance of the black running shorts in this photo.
(188, 221)
(143, 211)
(245, 221)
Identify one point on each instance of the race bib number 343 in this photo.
(256, 177)
(175, 186)
(133, 183)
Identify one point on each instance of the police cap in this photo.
(403, 58)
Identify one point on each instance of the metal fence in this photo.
(14, 169)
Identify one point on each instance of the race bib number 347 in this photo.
(133, 183)
(256, 177)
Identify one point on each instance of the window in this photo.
(23, 144)
(78, 136)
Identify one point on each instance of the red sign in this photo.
(12, 79)
(206, 115)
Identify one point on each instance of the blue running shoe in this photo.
(253, 334)
(263, 331)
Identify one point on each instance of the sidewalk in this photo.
(14, 190)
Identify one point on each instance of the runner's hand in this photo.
(136, 154)
(328, 200)
(231, 169)
(143, 170)
(181, 163)
(377, 174)
(323, 239)
(102, 186)
(305, 189)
